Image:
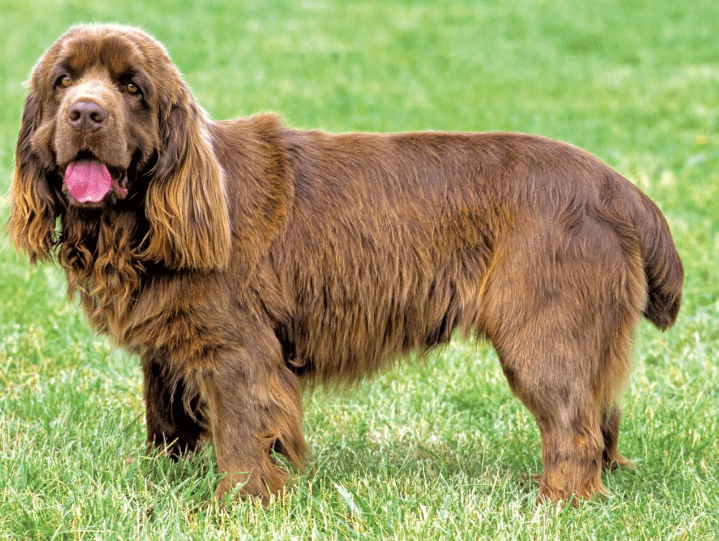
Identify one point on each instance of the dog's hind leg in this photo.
(611, 457)
(560, 313)
(554, 387)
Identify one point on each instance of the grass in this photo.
(434, 450)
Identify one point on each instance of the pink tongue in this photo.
(88, 181)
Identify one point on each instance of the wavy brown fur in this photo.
(247, 258)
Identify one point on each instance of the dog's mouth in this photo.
(89, 181)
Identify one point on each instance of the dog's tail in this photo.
(662, 266)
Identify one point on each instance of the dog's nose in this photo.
(86, 116)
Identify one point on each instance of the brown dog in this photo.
(241, 258)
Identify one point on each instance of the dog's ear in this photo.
(186, 202)
(34, 202)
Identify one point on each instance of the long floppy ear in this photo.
(186, 202)
(34, 204)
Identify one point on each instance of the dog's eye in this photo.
(132, 89)
(64, 81)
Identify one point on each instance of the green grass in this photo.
(435, 450)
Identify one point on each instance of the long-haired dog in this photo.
(242, 259)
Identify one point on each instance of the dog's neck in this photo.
(100, 251)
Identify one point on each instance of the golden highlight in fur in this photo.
(243, 260)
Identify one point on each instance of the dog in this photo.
(244, 261)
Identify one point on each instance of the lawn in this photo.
(438, 449)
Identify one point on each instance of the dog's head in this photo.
(109, 122)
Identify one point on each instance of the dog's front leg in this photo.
(173, 407)
(255, 408)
